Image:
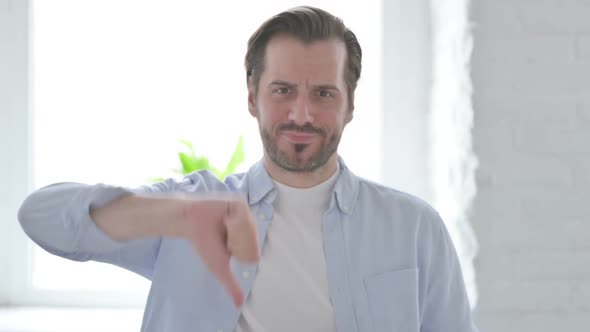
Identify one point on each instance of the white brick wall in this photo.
(531, 76)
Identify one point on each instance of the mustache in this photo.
(303, 129)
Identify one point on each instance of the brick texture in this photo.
(531, 77)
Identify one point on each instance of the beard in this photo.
(294, 158)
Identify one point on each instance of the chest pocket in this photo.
(393, 300)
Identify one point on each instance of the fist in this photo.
(219, 229)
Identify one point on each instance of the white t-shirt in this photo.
(290, 292)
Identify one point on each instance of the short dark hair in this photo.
(307, 24)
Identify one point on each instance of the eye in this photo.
(325, 93)
(282, 91)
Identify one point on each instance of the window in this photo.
(117, 83)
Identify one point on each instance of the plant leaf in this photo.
(188, 144)
(188, 163)
(236, 159)
(201, 163)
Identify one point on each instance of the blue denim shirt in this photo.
(390, 262)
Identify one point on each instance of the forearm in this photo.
(137, 216)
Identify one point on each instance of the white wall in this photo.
(14, 137)
(531, 73)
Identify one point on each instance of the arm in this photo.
(445, 303)
(135, 216)
(57, 218)
(99, 222)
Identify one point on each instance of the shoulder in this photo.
(397, 206)
(392, 198)
(198, 181)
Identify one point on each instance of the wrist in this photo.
(188, 213)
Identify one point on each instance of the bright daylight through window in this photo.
(118, 83)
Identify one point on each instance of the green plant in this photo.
(191, 162)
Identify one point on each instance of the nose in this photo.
(300, 112)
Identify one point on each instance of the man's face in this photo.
(301, 102)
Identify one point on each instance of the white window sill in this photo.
(37, 319)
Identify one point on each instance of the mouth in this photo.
(298, 137)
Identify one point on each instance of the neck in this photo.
(301, 179)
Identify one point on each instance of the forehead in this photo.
(289, 58)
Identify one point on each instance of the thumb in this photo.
(224, 274)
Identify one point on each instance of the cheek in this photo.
(330, 122)
(271, 120)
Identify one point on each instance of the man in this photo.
(298, 243)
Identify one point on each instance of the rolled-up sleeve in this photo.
(57, 218)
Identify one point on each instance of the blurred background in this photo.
(480, 107)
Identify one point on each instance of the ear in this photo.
(252, 100)
(349, 113)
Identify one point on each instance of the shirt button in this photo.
(245, 274)
(261, 216)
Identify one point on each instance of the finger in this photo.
(242, 238)
(217, 258)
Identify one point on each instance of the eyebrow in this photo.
(326, 87)
(284, 83)
(315, 87)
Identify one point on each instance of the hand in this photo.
(220, 229)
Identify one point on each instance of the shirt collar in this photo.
(346, 188)
(260, 185)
